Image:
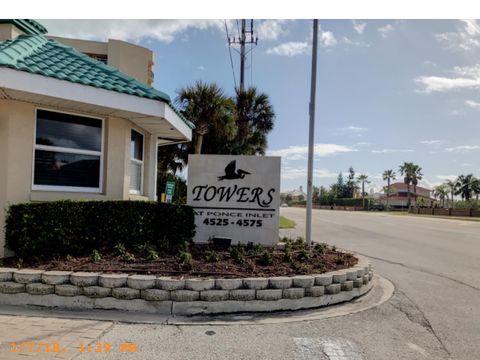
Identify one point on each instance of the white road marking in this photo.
(325, 348)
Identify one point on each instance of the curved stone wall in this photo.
(165, 295)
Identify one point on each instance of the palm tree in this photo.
(364, 180)
(416, 177)
(452, 188)
(207, 107)
(441, 191)
(254, 120)
(388, 175)
(465, 184)
(476, 187)
(406, 170)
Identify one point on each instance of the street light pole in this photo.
(311, 131)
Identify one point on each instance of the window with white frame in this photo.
(136, 163)
(68, 152)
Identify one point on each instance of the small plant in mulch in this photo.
(303, 255)
(212, 257)
(95, 256)
(186, 260)
(237, 253)
(266, 259)
(287, 255)
(152, 254)
(321, 248)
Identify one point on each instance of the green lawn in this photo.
(286, 223)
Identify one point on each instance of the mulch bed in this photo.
(253, 262)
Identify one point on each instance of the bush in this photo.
(76, 228)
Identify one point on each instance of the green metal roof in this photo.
(28, 26)
(38, 55)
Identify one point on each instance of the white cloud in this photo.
(429, 142)
(301, 152)
(326, 38)
(472, 104)
(129, 30)
(463, 148)
(385, 31)
(447, 177)
(359, 27)
(290, 173)
(467, 36)
(384, 151)
(464, 78)
(270, 29)
(201, 68)
(289, 49)
(348, 41)
(353, 129)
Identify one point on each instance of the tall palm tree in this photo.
(406, 170)
(465, 184)
(416, 177)
(364, 180)
(441, 191)
(388, 175)
(207, 106)
(476, 187)
(254, 120)
(452, 188)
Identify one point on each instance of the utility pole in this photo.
(311, 133)
(242, 40)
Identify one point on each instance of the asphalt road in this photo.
(433, 314)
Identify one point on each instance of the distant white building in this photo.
(297, 194)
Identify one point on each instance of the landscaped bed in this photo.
(291, 258)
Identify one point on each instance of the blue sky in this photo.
(387, 91)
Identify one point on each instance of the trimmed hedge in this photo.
(76, 228)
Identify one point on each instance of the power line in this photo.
(230, 52)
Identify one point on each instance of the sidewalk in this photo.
(22, 336)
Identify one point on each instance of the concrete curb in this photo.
(160, 295)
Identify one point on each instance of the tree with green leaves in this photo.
(209, 109)
(363, 179)
(351, 186)
(441, 191)
(465, 185)
(412, 175)
(388, 175)
(452, 188)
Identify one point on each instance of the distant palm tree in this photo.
(364, 180)
(465, 185)
(416, 177)
(441, 191)
(476, 187)
(387, 176)
(406, 170)
(206, 105)
(452, 188)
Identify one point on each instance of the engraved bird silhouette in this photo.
(231, 172)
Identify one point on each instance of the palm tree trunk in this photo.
(415, 194)
(388, 191)
(363, 194)
(408, 196)
(198, 144)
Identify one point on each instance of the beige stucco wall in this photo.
(9, 31)
(130, 59)
(17, 125)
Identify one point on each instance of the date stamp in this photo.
(55, 347)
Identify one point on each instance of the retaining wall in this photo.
(164, 295)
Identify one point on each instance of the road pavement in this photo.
(433, 314)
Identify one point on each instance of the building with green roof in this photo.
(73, 127)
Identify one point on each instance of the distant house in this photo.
(398, 196)
(72, 127)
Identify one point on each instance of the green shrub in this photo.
(186, 260)
(58, 228)
(321, 248)
(152, 254)
(265, 259)
(95, 256)
(212, 257)
(237, 253)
